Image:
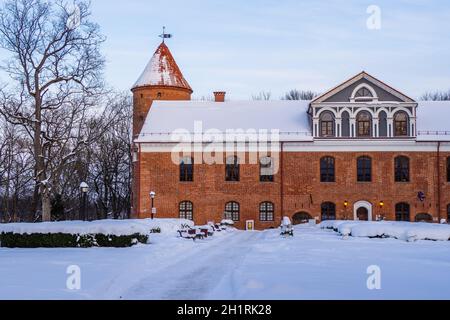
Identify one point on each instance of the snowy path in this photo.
(197, 273)
(315, 264)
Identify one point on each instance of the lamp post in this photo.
(381, 210)
(152, 197)
(84, 189)
(345, 209)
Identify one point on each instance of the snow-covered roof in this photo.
(290, 118)
(433, 121)
(162, 70)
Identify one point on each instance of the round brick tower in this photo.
(161, 80)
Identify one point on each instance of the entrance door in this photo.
(362, 214)
(250, 225)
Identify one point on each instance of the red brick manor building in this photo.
(362, 150)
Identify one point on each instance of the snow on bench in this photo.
(407, 231)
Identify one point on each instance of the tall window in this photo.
(401, 169)
(364, 124)
(401, 124)
(364, 169)
(382, 119)
(186, 210)
(232, 211)
(328, 211)
(345, 124)
(232, 169)
(266, 169)
(327, 124)
(266, 211)
(327, 169)
(187, 169)
(448, 213)
(448, 169)
(402, 212)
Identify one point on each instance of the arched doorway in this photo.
(362, 214)
(363, 211)
(301, 218)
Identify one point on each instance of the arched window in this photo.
(448, 169)
(232, 211)
(401, 121)
(187, 169)
(232, 169)
(402, 212)
(401, 169)
(364, 124)
(327, 124)
(266, 169)
(345, 118)
(382, 124)
(363, 93)
(186, 210)
(301, 218)
(327, 169)
(424, 217)
(266, 211)
(364, 169)
(328, 211)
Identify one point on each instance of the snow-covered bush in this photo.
(407, 231)
(66, 240)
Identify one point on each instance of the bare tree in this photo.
(56, 66)
(300, 95)
(436, 96)
(263, 95)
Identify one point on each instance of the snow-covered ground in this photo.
(315, 264)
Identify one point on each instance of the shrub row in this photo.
(64, 240)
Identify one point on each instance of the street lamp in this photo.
(381, 210)
(152, 196)
(345, 209)
(84, 188)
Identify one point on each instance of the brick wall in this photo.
(143, 98)
(303, 191)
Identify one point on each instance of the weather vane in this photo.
(165, 35)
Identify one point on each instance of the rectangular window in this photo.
(266, 170)
(187, 170)
(364, 169)
(448, 169)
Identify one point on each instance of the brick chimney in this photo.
(219, 96)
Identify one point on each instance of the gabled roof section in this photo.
(162, 70)
(363, 77)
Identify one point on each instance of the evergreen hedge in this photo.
(64, 240)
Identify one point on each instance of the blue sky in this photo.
(244, 47)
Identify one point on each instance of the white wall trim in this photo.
(362, 204)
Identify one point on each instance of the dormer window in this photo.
(364, 124)
(327, 125)
(364, 93)
(401, 124)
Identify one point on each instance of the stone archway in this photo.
(363, 211)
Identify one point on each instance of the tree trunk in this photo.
(46, 207)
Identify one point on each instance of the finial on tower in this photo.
(165, 35)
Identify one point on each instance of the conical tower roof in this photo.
(162, 70)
